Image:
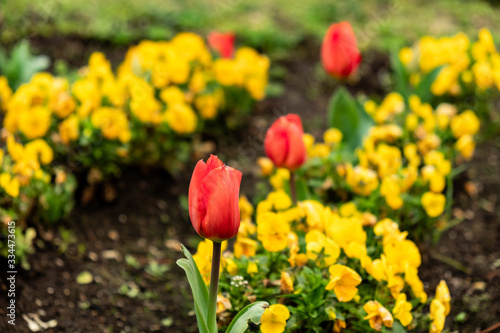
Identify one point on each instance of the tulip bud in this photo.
(339, 51)
(284, 144)
(222, 43)
(214, 200)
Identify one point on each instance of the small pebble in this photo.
(50, 290)
(93, 256)
(122, 218)
(59, 262)
(113, 235)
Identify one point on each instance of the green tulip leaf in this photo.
(198, 288)
(252, 312)
(345, 114)
(401, 76)
(423, 90)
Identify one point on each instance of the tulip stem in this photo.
(214, 289)
(293, 189)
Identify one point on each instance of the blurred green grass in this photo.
(272, 26)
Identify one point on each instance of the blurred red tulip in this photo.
(284, 144)
(213, 200)
(339, 52)
(222, 43)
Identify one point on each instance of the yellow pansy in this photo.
(343, 282)
(112, 122)
(34, 123)
(272, 231)
(385, 227)
(181, 118)
(377, 315)
(319, 150)
(230, 266)
(433, 203)
(203, 258)
(172, 95)
(266, 166)
(316, 242)
(332, 136)
(391, 191)
(246, 208)
(416, 285)
(296, 258)
(405, 55)
(438, 316)
(10, 184)
(465, 123)
(402, 310)
(286, 283)
(443, 295)
(274, 319)
(68, 129)
(39, 150)
(437, 159)
(252, 268)
(223, 304)
(207, 105)
(308, 140)
(466, 146)
(362, 180)
(338, 325)
(278, 179)
(246, 228)
(344, 230)
(313, 212)
(244, 247)
(402, 252)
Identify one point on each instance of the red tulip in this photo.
(283, 143)
(222, 43)
(213, 200)
(339, 51)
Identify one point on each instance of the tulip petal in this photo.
(339, 52)
(276, 143)
(197, 207)
(296, 148)
(221, 189)
(295, 119)
(213, 162)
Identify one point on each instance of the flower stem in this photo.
(293, 189)
(214, 288)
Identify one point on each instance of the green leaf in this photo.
(198, 287)
(397, 327)
(21, 65)
(302, 190)
(400, 74)
(349, 117)
(423, 90)
(252, 312)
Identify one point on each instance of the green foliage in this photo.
(349, 117)
(276, 26)
(56, 202)
(423, 89)
(198, 288)
(21, 65)
(251, 312)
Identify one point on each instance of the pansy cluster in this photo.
(147, 111)
(464, 66)
(323, 268)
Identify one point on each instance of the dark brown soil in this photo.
(146, 220)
